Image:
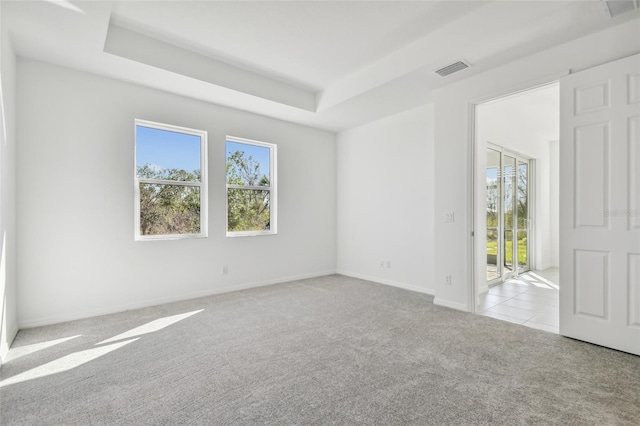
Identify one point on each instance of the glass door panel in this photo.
(508, 212)
(508, 251)
(522, 214)
(494, 185)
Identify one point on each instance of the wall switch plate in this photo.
(225, 270)
(447, 279)
(388, 264)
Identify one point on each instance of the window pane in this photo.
(248, 210)
(509, 180)
(162, 154)
(169, 209)
(522, 196)
(522, 248)
(248, 164)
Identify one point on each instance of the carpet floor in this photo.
(330, 350)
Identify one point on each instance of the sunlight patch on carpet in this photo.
(150, 327)
(63, 364)
(21, 351)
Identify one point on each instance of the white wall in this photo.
(554, 201)
(76, 254)
(385, 200)
(453, 105)
(525, 123)
(8, 292)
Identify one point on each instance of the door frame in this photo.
(472, 160)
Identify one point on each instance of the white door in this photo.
(600, 205)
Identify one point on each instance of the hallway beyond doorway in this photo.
(530, 299)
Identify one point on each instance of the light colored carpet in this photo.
(332, 350)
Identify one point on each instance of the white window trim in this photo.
(273, 196)
(204, 218)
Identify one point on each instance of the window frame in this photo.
(202, 185)
(272, 188)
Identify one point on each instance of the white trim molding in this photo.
(405, 286)
(55, 319)
(272, 188)
(202, 185)
(453, 305)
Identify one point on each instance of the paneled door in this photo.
(600, 205)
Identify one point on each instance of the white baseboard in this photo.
(448, 304)
(378, 280)
(541, 266)
(55, 319)
(484, 288)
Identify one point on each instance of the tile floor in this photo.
(530, 299)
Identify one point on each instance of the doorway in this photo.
(516, 208)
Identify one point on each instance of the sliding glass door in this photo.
(508, 170)
(507, 219)
(522, 215)
(494, 191)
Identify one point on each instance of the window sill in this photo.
(169, 237)
(250, 233)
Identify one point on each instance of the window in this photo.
(171, 182)
(251, 187)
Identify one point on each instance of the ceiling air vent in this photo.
(617, 7)
(450, 69)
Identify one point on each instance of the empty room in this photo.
(319, 212)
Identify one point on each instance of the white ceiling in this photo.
(330, 65)
(314, 43)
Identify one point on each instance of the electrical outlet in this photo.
(447, 279)
(449, 217)
(225, 270)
